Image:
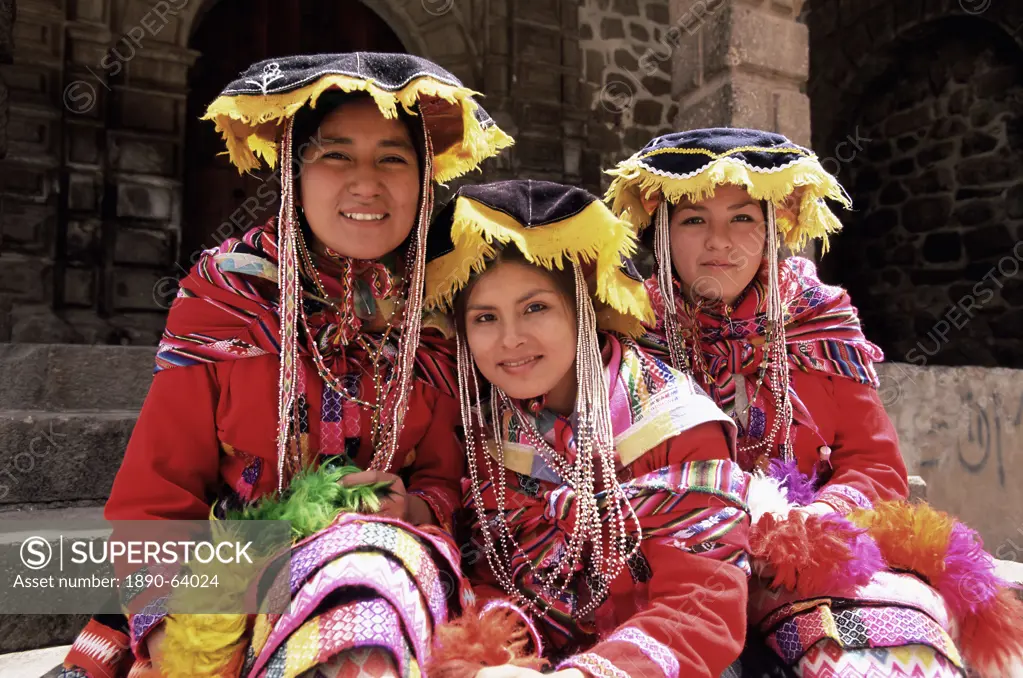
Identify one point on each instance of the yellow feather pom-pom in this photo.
(204, 645)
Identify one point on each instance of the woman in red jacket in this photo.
(300, 341)
(606, 502)
(783, 354)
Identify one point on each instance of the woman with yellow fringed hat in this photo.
(851, 579)
(607, 510)
(304, 341)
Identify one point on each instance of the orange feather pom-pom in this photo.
(991, 640)
(472, 642)
(911, 537)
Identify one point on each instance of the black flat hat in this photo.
(250, 110)
(553, 226)
(690, 165)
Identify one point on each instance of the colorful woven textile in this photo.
(829, 660)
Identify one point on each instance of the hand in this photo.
(394, 503)
(154, 643)
(509, 671)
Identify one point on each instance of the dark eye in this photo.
(395, 159)
(691, 221)
(484, 318)
(744, 217)
(335, 155)
(536, 307)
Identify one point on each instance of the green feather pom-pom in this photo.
(314, 499)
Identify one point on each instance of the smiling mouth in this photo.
(516, 364)
(364, 216)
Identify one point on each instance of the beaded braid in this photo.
(594, 438)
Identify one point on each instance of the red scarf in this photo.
(822, 334)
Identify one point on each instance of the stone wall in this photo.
(961, 429)
(93, 181)
(920, 108)
(627, 55)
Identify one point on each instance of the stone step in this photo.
(74, 376)
(34, 663)
(69, 456)
(24, 632)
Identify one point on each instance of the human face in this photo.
(521, 331)
(717, 244)
(360, 182)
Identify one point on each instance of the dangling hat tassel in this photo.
(775, 349)
(395, 399)
(290, 300)
(662, 253)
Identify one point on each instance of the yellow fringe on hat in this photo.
(593, 234)
(805, 178)
(249, 122)
(204, 645)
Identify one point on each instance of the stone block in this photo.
(989, 241)
(26, 182)
(612, 29)
(143, 246)
(84, 192)
(145, 111)
(628, 8)
(986, 170)
(975, 212)
(37, 36)
(80, 287)
(649, 113)
(917, 488)
(942, 248)
(543, 84)
(793, 116)
(27, 279)
(145, 156)
(75, 377)
(924, 214)
(714, 109)
(539, 152)
(28, 226)
(94, 11)
(656, 86)
(683, 55)
(538, 11)
(144, 201)
(33, 84)
(909, 121)
(757, 39)
(134, 289)
(753, 104)
(33, 135)
(83, 240)
(539, 45)
(20, 632)
(38, 324)
(657, 11)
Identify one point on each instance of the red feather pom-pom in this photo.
(814, 555)
(992, 639)
(472, 642)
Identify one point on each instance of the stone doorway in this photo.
(232, 35)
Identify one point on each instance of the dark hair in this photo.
(563, 279)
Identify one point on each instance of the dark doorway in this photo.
(232, 35)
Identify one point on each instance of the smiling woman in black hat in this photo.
(305, 339)
(605, 502)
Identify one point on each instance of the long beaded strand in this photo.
(400, 383)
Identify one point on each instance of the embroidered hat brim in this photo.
(250, 110)
(690, 165)
(553, 226)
